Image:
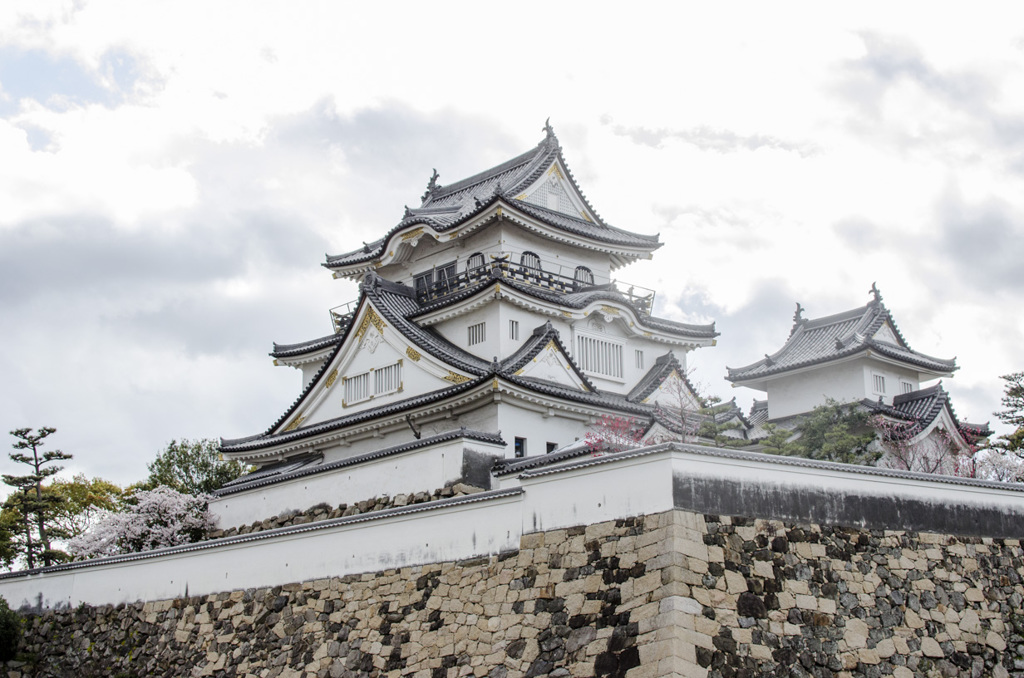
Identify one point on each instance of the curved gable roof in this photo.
(839, 336)
(445, 207)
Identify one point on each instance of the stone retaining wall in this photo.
(677, 593)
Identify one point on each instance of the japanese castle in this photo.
(490, 335)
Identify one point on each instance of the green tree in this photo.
(1013, 415)
(192, 467)
(83, 501)
(36, 508)
(778, 439)
(10, 632)
(831, 432)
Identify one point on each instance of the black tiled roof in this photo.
(534, 345)
(659, 372)
(269, 439)
(447, 206)
(574, 300)
(918, 409)
(311, 464)
(304, 347)
(833, 337)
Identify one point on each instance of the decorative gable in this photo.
(554, 192)
(675, 393)
(376, 363)
(885, 333)
(552, 365)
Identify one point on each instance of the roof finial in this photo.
(798, 317)
(548, 129)
(876, 293)
(432, 185)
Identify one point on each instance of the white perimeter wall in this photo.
(419, 470)
(582, 492)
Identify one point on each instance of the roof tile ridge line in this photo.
(382, 243)
(608, 295)
(917, 356)
(480, 177)
(403, 324)
(769, 361)
(659, 372)
(542, 332)
(310, 344)
(320, 372)
(546, 151)
(444, 302)
(269, 534)
(519, 465)
(325, 427)
(445, 436)
(538, 211)
(598, 399)
(781, 460)
(895, 328)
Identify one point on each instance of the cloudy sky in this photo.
(172, 174)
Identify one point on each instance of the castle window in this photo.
(477, 333)
(357, 388)
(599, 356)
(475, 261)
(906, 386)
(879, 384)
(530, 260)
(583, 276)
(639, 359)
(387, 379)
(552, 447)
(520, 447)
(379, 381)
(513, 330)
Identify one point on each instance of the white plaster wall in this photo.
(802, 392)
(766, 469)
(422, 470)
(599, 492)
(428, 536)
(538, 429)
(894, 376)
(456, 330)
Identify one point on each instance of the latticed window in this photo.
(387, 379)
(599, 356)
(380, 381)
(513, 330)
(879, 382)
(907, 386)
(530, 260)
(357, 388)
(477, 333)
(639, 359)
(475, 261)
(584, 275)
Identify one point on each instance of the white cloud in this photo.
(166, 223)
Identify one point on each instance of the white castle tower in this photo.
(488, 327)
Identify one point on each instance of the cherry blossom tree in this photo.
(611, 434)
(158, 518)
(938, 453)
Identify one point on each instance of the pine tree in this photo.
(35, 507)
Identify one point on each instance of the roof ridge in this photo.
(480, 177)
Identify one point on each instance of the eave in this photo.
(400, 241)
